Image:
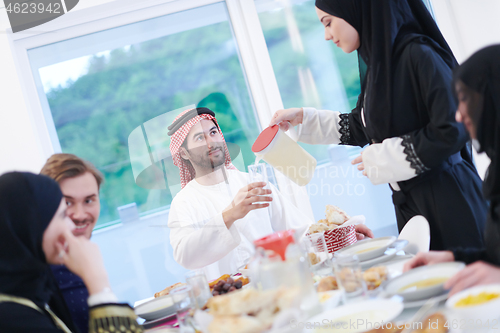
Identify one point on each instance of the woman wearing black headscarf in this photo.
(477, 84)
(35, 232)
(405, 112)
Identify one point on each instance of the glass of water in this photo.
(349, 276)
(258, 173)
(185, 307)
(199, 287)
(317, 253)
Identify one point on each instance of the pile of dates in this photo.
(226, 286)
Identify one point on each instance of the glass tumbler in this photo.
(317, 253)
(199, 287)
(184, 306)
(349, 276)
(258, 173)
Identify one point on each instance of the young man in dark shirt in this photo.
(80, 182)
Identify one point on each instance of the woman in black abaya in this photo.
(35, 232)
(477, 84)
(406, 112)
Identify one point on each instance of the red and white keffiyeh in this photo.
(186, 170)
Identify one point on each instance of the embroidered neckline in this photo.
(411, 155)
(345, 132)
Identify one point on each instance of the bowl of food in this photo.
(330, 299)
(477, 303)
(423, 282)
(159, 307)
(369, 248)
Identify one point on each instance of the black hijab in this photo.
(385, 27)
(481, 73)
(28, 203)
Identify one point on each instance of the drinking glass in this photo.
(349, 276)
(258, 173)
(317, 253)
(199, 287)
(184, 306)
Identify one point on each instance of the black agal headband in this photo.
(186, 117)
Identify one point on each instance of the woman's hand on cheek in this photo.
(84, 258)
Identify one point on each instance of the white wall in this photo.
(19, 148)
(467, 24)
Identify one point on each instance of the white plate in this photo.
(157, 308)
(442, 271)
(387, 255)
(420, 303)
(356, 317)
(368, 248)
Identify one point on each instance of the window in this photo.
(99, 87)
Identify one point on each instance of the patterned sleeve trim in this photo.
(411, 155)
(113, 318)
(345, 132)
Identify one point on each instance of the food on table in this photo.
(480, 298)
(432, 324)
(374, 276)
(327, 283)
(222, 281)
(368, 249)
(224, 277)
(228, 285)
(313, 258)
(324, 296)
(167, 290)
(231, 324)
(318, 227)
(336, 215)
(334, 218)
(249, 310)
(392, 329)
(350, 280)
(426, 283)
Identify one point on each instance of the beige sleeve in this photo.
(113, 318)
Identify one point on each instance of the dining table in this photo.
(409, 314)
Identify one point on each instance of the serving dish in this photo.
(423, 282)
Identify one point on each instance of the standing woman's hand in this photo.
(287, 117)
(358, 160)
(83, 257)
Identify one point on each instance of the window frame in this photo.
(244, 20)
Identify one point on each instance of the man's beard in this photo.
(201, 158)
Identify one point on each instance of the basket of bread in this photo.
(338, 233)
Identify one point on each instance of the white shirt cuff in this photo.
(102, 297)
(231, 235)
(386, 162)
(318, 127)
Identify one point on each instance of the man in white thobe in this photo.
(218, 213)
